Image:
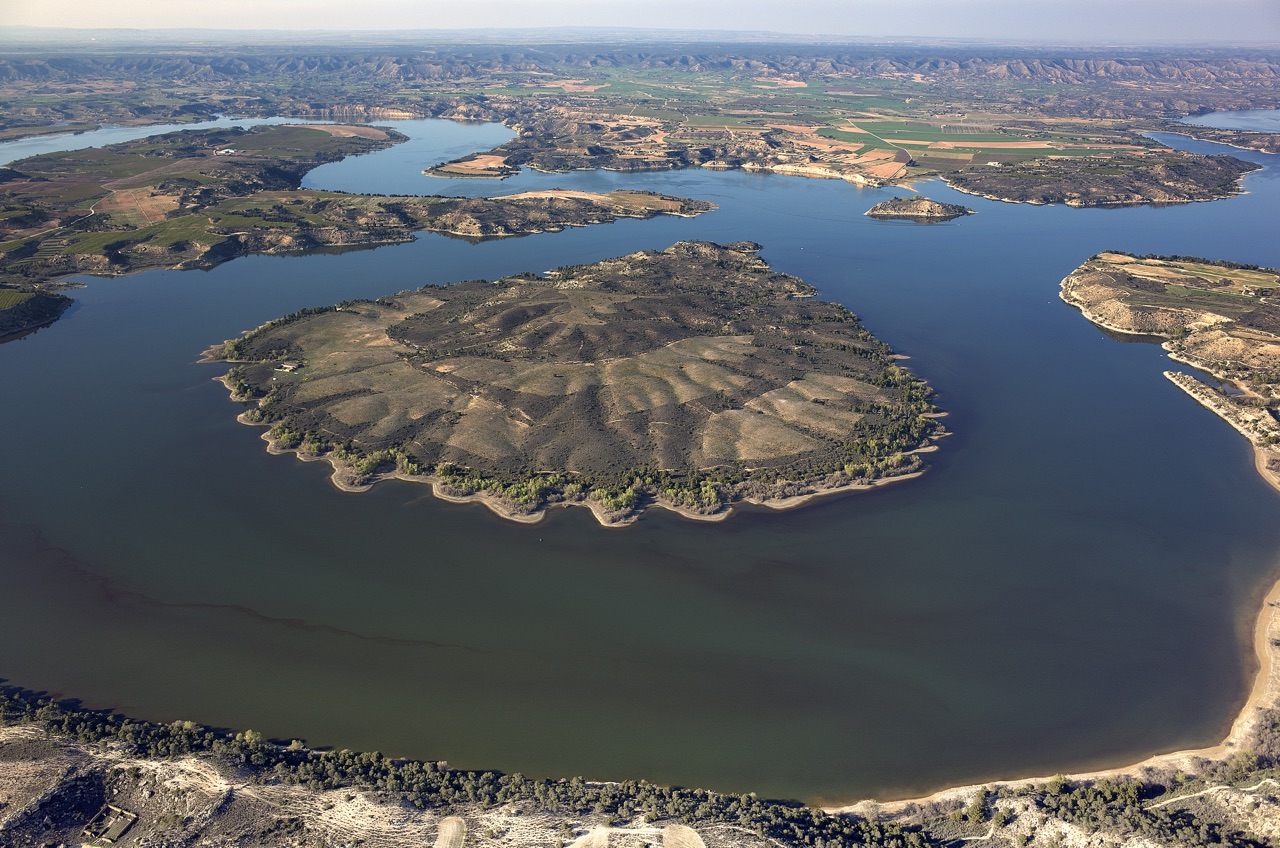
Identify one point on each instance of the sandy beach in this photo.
(1263, 695)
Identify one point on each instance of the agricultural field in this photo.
(792, 130)
(10, 298)
(694, 377)
(864, 114)
(1178, 297)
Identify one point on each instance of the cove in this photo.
(1072, 585)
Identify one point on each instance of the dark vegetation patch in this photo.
(423, 784)
(1119, 180)
(25, 310)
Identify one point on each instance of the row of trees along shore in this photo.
(435, 785)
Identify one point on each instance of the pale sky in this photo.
(1105, 21)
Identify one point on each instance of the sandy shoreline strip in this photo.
(1263, 695)
(500, 507)
(1265, 457)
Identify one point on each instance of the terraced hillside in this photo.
(693, 377)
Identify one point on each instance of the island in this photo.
(919, 209)
(1219, 317)
(691, 378)
(476, 165)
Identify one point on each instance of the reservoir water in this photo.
(1073, 583)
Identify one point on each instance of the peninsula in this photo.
(1219, 317)
(920, 209)
(196, 198)
(691, 378)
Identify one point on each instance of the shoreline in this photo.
(340, 481)
(1201, 392)
(1207, 397)
(1223, 143)
(1264, 693)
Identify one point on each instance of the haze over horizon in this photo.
(1059, 21)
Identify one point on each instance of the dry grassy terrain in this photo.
(697, 369)
(197, 198)
(50, 788)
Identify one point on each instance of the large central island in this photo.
(691, 378)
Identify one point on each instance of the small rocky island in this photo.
(1220, 317)
(920, 209)
(691, 378)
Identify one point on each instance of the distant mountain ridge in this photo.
(16, 34)
(447, 62)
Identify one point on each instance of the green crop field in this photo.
(916, 131)
(10, 298)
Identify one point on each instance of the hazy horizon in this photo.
(1137, 22)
